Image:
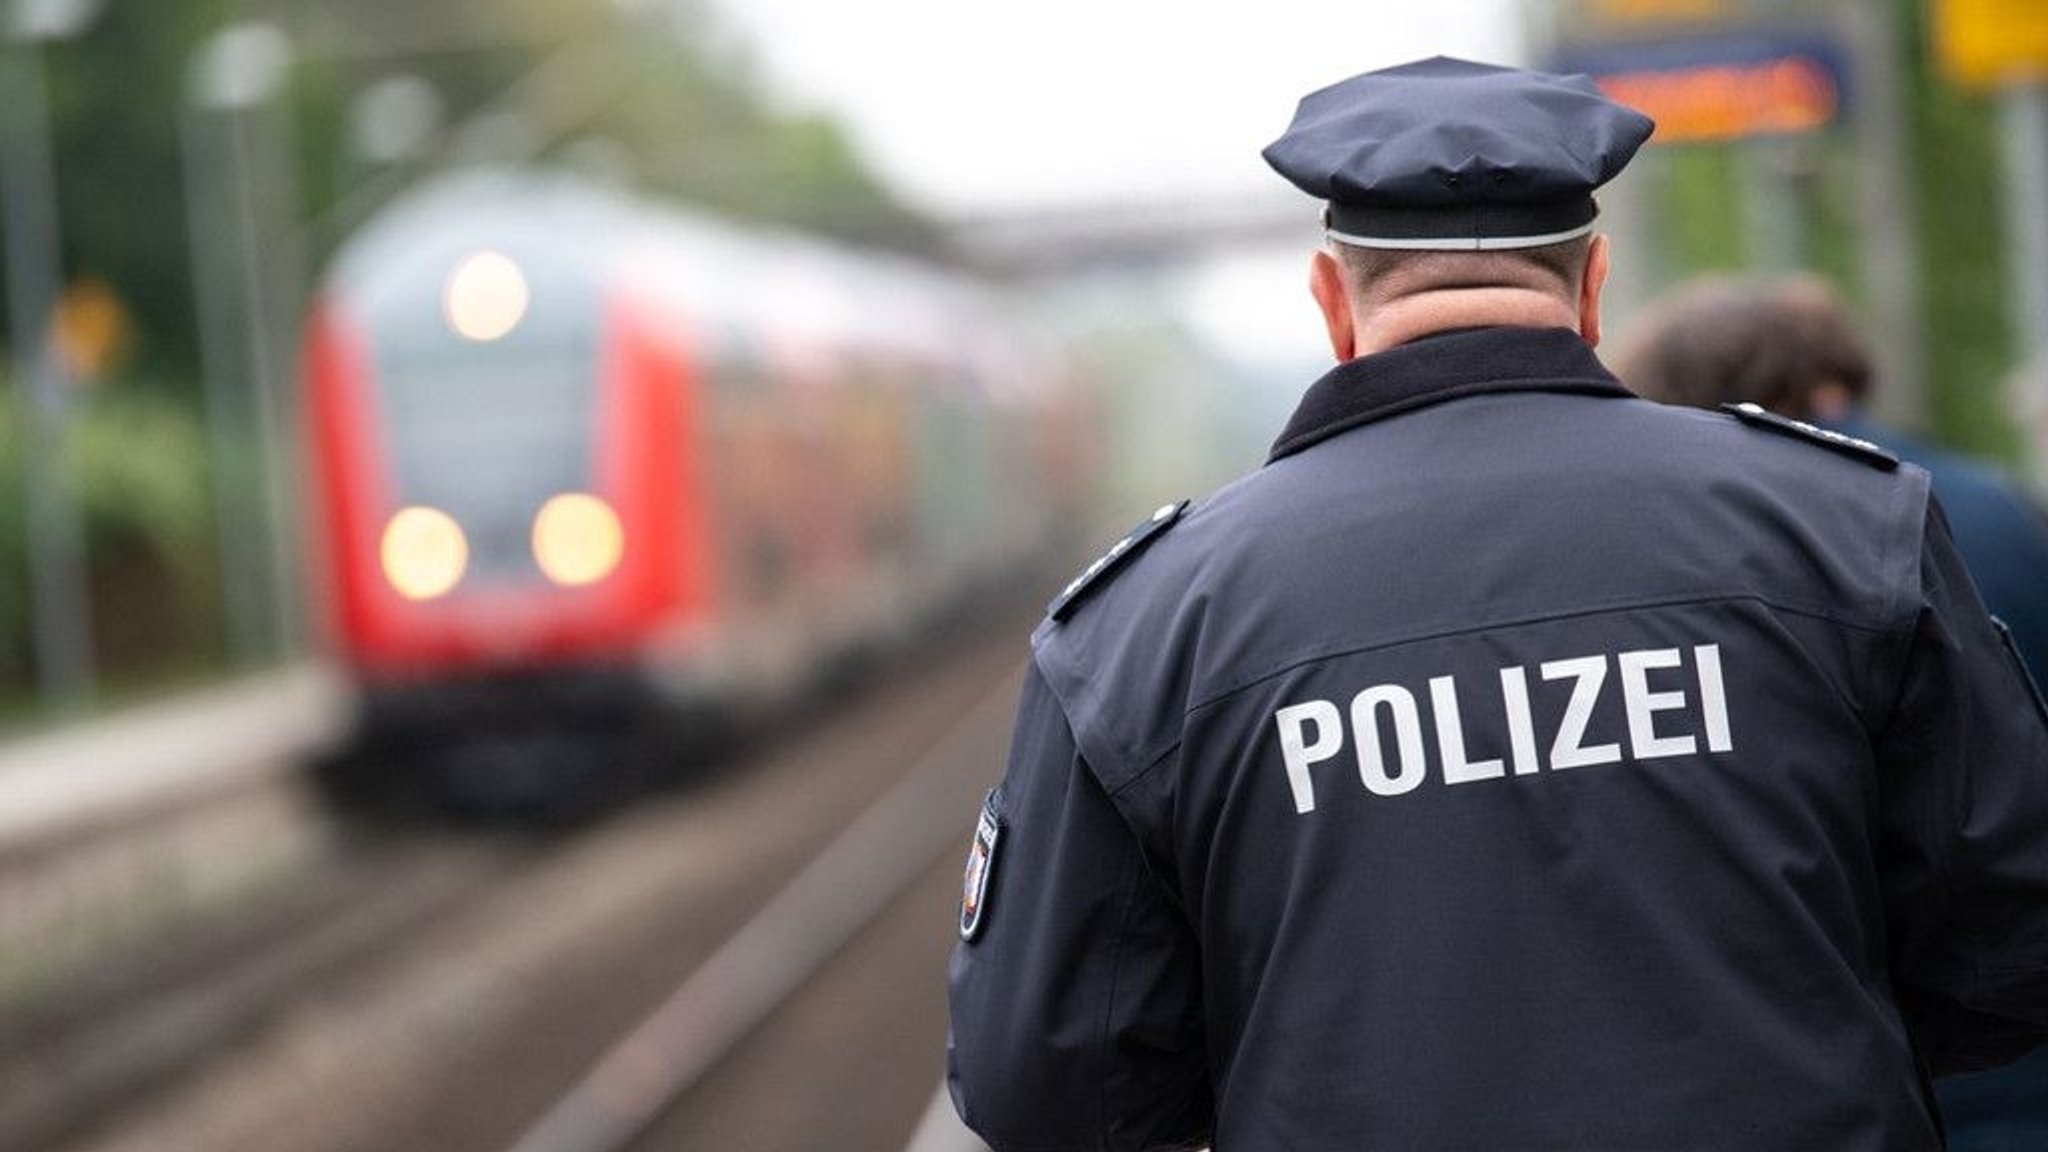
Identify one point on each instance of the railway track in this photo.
(771, 940)
(146, 1017)
(857, 878)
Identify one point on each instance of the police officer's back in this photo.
(1510, 763)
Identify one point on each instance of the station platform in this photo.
(103, 768)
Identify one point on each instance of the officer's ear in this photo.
(1593, 279)
(1332, 290)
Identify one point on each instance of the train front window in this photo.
(489, 431)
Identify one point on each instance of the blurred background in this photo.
(517, 516)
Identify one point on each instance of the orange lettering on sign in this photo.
(1785, 96)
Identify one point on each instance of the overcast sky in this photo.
(972, 105)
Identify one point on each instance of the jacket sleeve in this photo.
(1076, 1004)
(1964, 778)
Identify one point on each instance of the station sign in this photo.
(1721, 87)
(90, 330)
(1984, 43)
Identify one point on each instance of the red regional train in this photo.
(591, 477)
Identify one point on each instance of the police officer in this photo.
(1510, 763)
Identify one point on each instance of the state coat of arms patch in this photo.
(981, 864)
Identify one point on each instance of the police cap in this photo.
(1449, 154)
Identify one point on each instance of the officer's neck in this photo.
(1387, 323)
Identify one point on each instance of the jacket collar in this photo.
(1444, 366)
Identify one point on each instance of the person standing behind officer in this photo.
(1789, 346)
(1511, 762)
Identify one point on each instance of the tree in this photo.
(660, 81)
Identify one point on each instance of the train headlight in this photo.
(424, 552)
(485, 297)
(577, 539)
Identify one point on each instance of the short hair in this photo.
(1723, 340)
(1400, 271)
(1839, 351)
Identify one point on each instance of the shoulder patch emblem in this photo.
(981, 864)
(1862, 450)
(1120, 553)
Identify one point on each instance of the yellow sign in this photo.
(90, 329)
(1988, 42)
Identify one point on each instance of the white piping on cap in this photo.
(1461, 244)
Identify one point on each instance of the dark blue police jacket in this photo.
(2002, 535)
(2003, 539)
(1511, 764)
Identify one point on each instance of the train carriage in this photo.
(589, 474)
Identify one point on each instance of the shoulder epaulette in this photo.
(1118, 555)
(1861, 449)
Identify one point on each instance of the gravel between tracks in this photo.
(461, 1026)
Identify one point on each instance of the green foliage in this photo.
(1703, 210)
(1835, 240)
(140, 466)
(691, 115)
(114, 99)
(136, 461)
(1963, 252)
(695, 119)
(661, 86)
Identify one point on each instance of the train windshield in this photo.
(486, 399)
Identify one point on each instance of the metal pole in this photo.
(228, 446)
(1774, 197)
(61, 615)
(271, 297)
(2023, 119)
(235, 76)
(274, 193)
(1891, 262)
(259, 355)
